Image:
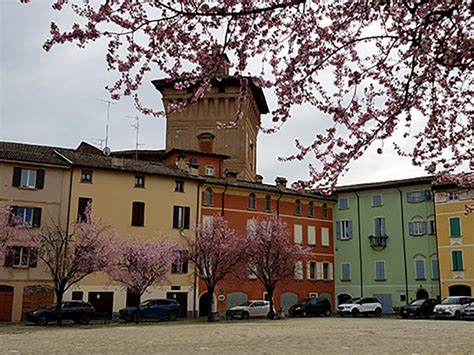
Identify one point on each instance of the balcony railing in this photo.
(378, 242)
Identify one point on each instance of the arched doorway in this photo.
(235, 299)
(460, 290)
(287, 300)
(422, 294)
(6, 302)
(203, 304)
(343, 298)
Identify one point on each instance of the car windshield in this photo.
(354, 300)
(246, 304)
(417, 303)
(304, 300)
(146, 303)
(450, 300)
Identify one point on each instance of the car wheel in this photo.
(328, 313)
(245, 315)
(172, 316)
(404, 316)
(378, 312)
(457, 315)
(137, 318)
(41, 321)
(304, 314)
(85, 320)
(355, 312)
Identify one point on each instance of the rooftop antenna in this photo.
(136, 125)
(98, 141)
(106, 148)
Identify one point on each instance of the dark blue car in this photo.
(152, 309)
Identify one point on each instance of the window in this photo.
(455, 227)
(252, 202)
(251, 227)
(420, 269)
(327, 271)
(324, 236)
(311, 235)
(380, 270)
(207, 220)
(457, 260)
(84, 202)
(21, 257)
(311, 209)
(208, 197)
(434, 269)
(325, 210)
(418, 196)
(138, 214)
(139, 181)
(417, 228)
(180, 265)
(28, 178)
(181, 217)
(252, 272)
(379, 226)
(343, 230)
(452, 196)
(298, 207)
(346, 272)
(86, 176)
(299, 270)
(268, 203)
(209, 171)
(377, 201)
(311, 270)
(298, 229)
(179, 186)
(431, 224)
(343, 203)
(27, 216)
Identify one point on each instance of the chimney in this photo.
(193, 168)
(181, 162)
(259, 179)
(280, 183)
(231, 175)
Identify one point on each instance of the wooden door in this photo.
(6, 302)
(103, 302)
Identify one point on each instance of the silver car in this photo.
(255, 308)
(468, 312)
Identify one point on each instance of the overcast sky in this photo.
(52, 99)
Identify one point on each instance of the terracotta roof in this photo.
(386, 184)
(30, 153)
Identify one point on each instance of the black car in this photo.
(419, 308)
(313, 306)
(152, 309)
(77, 311)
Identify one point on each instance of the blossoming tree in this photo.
(271, 255)
(141, 264)
(371, 68)
(216, 251)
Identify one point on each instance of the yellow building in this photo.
(455, 233)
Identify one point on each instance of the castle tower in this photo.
(195, 128)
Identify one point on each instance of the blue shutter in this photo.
(382, 226)
(410, 197)
(420, 269)
(424, 227)
(410, 228)
(349, 229)
(346, 273)
(379, 270)
(338, 230)
(434, 269)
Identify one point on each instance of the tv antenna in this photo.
(99, 142)
(106, 148)
(136, 125)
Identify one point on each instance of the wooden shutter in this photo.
(16, 177)
(138, 214)
(39, 179)
(9, 257)
(184, 255)
(455, 227)
(330, 272)
(319, 271)
(349, 229)
(33, 257)
(37, 217)
(175, 216)
(308, 270)
(187, 212)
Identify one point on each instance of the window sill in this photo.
(251, 209)
(137, 226)
(455, 236)
(380, 280)
(423, 279)
(27, 188)
(86, 182)
(346, 280)
(19, 267)
(140, 187)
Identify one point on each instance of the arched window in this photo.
(297, 207)
(268, 203)
(311, 209)
(208, 197)
(325, 210)
(252, 203)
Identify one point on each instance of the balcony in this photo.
(378, 242)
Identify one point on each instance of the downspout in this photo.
(278, 203)
(71, 164)
(403, 243)
(360, 248)
(222, 201)
(436, 243)
(197, 222)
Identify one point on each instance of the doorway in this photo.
(422, 294)
(103, 302)
(182, 299)
(460, 290)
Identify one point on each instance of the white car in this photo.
(365, 306)
(452, 307)
(255, 308)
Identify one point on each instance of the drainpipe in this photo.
(403, 243)
(198, 208)
(436, 243)
(278, 203)
(360, 248)
(69, 200)
(223, 193)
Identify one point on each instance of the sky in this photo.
(53, 98)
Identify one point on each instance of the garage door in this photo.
(287, 300)
(6, 302)
(235, 299)
(35, 297)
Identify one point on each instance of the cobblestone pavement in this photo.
(289, 336)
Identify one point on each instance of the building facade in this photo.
(385, 242)
(455, 233)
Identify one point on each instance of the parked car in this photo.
(452, 307)
(78, 311)
(313, 306)
(419, 308)
(468, 312)
(365, 306)
(254, 308)
(165, 309)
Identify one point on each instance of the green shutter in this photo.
(455, 227)
(457, 260)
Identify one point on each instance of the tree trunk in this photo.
(271, 314)
(137, 313)
(210, 293)
(59, 310)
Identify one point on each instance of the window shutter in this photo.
(9, 257)
(410, 197)
(455, 227)
(16, 177)
(411, 228)
(308, 271)
(33, 257)
(37, 217)
(319, 271)
(174, 267)
(338, 230)
(39, 179)
(434, 271)
(382, 226)
(330, 271)
(424, 227)
(13, 213)
(185, 263)
(187, 211)
(175, 216)
(428, 195)
(349, 229)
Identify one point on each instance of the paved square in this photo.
(296, 336)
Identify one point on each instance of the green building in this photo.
(385, 242)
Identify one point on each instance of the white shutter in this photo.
(311, 235)
(308, 270)
(299, 270)
(324, 236)
(319, 270)
(251, 223)
(330, 271)
(298, 234)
